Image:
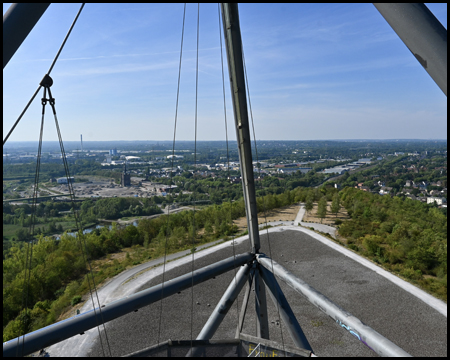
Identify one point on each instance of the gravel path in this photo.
(395, 313)
(319, 227)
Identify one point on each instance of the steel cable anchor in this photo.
(47, 82)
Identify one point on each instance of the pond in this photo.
(101, 225)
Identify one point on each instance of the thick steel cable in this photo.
(24, 296)
(65, 39)
(33, 211)
(23, 300)
(48, 73)
(29, 259)
(79, 229)
(195, 166)
(20, 116)
(171, 173)
(260, 180)
(228, 159)
(38, 165)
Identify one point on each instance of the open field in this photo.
(105, 187)
(287, 213)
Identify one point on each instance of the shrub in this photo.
(337, 222)
(75, 300)
(353, 247)
(410, 273)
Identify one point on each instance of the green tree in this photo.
(322, 208)
(21, 234)
(335, 205)
(309, 202)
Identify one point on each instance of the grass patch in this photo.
(316, 323)
(9, 231)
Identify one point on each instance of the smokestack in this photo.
(81, 136)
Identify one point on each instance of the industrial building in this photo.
(63, 180)
(126, 177)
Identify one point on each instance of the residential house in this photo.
(437, 200)
(423, 185)
(385, 190)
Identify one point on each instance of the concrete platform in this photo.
(394, 312)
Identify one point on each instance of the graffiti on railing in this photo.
(353, 332)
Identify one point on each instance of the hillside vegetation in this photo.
(404, 236)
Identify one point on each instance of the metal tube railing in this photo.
(364, 333)
(80, 323)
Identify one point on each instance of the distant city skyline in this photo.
(315, 71)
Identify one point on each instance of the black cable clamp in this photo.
(46, 82)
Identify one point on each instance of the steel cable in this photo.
(260, 180)
(195, 166)
(171, 173)
(32, 220)
(79, 229)
(228, 160)
(48, 73)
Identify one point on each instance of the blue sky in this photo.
(315, 71)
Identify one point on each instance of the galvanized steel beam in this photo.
(356, 327)
(18, 22)
(286, 313)
(248, 291)
(233, 43)
(423, 34)
(80, 323)
(262, 318)
(225, 303)
(222, 307)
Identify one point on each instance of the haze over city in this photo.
(315, 71)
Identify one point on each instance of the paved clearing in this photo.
(395, 313)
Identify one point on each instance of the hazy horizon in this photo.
(314, 70)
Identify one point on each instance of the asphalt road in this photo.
(392, 311)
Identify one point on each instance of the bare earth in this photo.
(287, 213)
(103, 187)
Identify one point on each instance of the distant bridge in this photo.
(48, 197)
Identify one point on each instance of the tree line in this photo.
(404, 236)
(59, 272)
